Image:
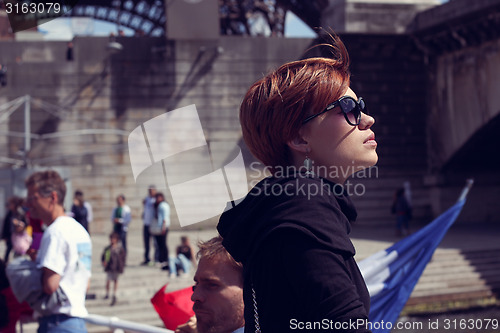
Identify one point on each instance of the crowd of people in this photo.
(279, 257)
(39, 226)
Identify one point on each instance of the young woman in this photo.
(291, 231)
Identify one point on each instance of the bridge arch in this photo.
(148, 17)
(143, 16)
(480, 153)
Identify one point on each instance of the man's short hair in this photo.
(214, 250)
(47, 182)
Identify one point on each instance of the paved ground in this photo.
(139, 283)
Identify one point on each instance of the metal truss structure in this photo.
(145, 17)
(237, 17)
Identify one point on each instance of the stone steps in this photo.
(453, 275)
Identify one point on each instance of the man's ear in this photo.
(54, 196)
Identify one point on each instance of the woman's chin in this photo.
(368, 163)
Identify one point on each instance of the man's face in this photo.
(218, 297)
(152, 192)
(40, 207)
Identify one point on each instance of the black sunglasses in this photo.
(350, 107)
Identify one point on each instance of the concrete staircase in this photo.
(458, 279)
(374, 204)
(463, 273)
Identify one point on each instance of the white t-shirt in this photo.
(90, 214)
(125, 218)
(67, 250)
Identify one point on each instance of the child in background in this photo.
(113, 261)
(21, 236)
(184, 260)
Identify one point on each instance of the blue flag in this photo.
(391, 275)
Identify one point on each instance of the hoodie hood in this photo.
(312, 206)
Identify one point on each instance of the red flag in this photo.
(174, 308)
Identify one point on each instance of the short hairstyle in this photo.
(214, 250)
(47, 182)
(274, 107)
(16, 201)
(115, 235)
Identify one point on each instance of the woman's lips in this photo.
(370, 140)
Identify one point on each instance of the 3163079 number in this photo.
(33, 8)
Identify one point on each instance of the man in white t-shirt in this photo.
(64, 254)
(148, 216)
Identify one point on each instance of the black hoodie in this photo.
(291, 234)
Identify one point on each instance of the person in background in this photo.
(121, 218)
(10, 309)
(14, 209)
(402, 209)
(90, 212)
(21, 236)
(79, 211)
(65, 253)
(217, 293)
(113, 261)
(37, 229)
(147, 217)
(184, 260)
(162, 214)
(69, 51)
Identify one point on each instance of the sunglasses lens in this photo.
(351, 110)
(362, 105)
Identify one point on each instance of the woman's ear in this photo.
(298, 144)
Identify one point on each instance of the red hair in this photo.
(274, 107)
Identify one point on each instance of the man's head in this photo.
(78, 198)
(218, 290)
(120, 200)
(152, 190)
(46, 191)
(159, 197)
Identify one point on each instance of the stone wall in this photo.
(461, 40)
(373, 16)
(108, 90)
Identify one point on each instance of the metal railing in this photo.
(117, 324)
(114, 323)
